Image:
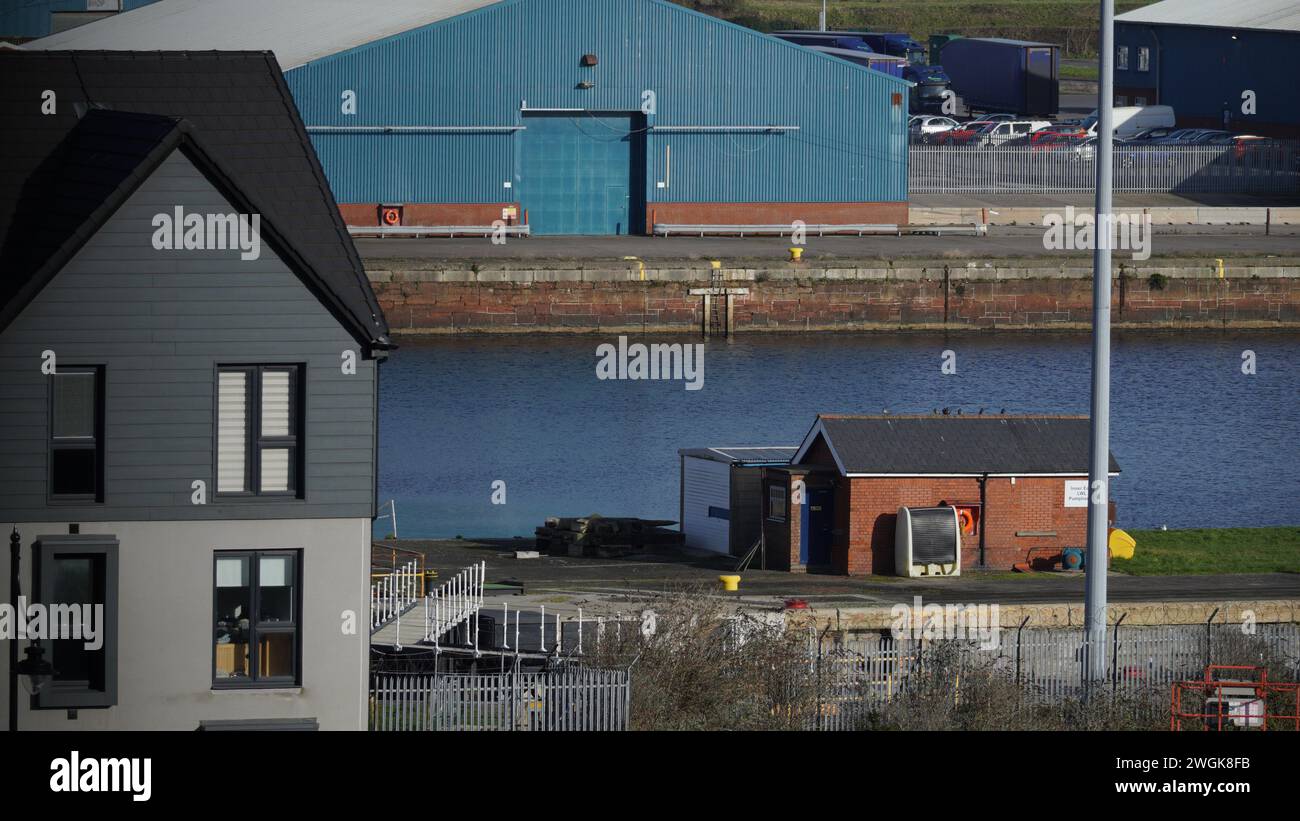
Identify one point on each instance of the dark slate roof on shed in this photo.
(957, 445)
(236, 101)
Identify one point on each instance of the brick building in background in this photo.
(1018, 482)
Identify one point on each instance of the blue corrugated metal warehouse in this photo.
(588, 116)
(1203, 56)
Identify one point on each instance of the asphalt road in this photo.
(1001, 243)
(561, 574)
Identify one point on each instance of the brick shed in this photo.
(1020, 483)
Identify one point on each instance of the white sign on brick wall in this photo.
(1076, 492)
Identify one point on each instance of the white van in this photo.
(1128, 120)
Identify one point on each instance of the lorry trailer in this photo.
(995, 74)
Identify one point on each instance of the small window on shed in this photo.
(1144, 59)
(776, 503)
(1121, 58)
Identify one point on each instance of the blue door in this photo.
(577, 173)
(816, 524)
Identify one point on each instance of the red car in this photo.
(965, 134)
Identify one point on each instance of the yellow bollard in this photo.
(796, 254)
(730, 583)
(1219, 263)
(715, 263)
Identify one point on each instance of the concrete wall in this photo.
(165, 624)
(1030, 295)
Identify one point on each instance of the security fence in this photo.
(857, 676)
(1272, 167)
(563, 698)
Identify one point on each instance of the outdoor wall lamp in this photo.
(38, 672)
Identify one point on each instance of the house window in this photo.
(77, 434)
(259, 428)
(76, 579)
(257, 618)
(1144, 59)
(776, 503)
(719, 513)
(1121, 58)
(1139, 101)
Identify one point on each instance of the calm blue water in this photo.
(1199, 443)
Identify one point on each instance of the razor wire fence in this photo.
(1272, 167)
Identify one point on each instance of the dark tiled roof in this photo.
(241, 110)
(970, 444)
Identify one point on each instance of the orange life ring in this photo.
(392, 216)
(967, 520)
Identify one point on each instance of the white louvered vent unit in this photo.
(232, 431)
(927, 542)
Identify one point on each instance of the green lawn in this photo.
(1223, 550)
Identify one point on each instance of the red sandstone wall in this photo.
(783, 304)
(775, 213)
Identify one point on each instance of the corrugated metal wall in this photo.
(1199, 71)
(478, 69)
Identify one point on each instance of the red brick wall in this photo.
(1031, 504)
(775, 213)
(426, 213)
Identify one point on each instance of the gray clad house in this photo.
(189, 357)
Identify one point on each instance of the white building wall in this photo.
(705, 483)
(165, 629)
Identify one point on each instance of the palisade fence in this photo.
(569, 697)
(944, 169)
(856, 676)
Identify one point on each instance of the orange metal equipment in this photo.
(1245, 700)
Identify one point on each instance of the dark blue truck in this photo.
(931, 80)
(852, 49)
(991, 74)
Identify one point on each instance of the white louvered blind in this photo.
(275, 470)
(232, 431)
(275, 403)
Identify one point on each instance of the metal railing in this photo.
(567, 698)
(856, 676)
(393, 593)
(454, 602)
(945, 169)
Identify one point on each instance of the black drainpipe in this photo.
(984, 516)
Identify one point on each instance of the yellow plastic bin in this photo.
(1121, 544)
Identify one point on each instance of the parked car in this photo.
(962, 134)
(1002, 132)
(922, 127)
(1067, 129)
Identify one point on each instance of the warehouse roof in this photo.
(298, 31)
(969, 445)
(248, 124)
(743, 455)
(1272, 15)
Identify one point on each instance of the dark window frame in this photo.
(95, 443)
(773, 514)
(254, 441)
(256, 628)
(48, 549)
